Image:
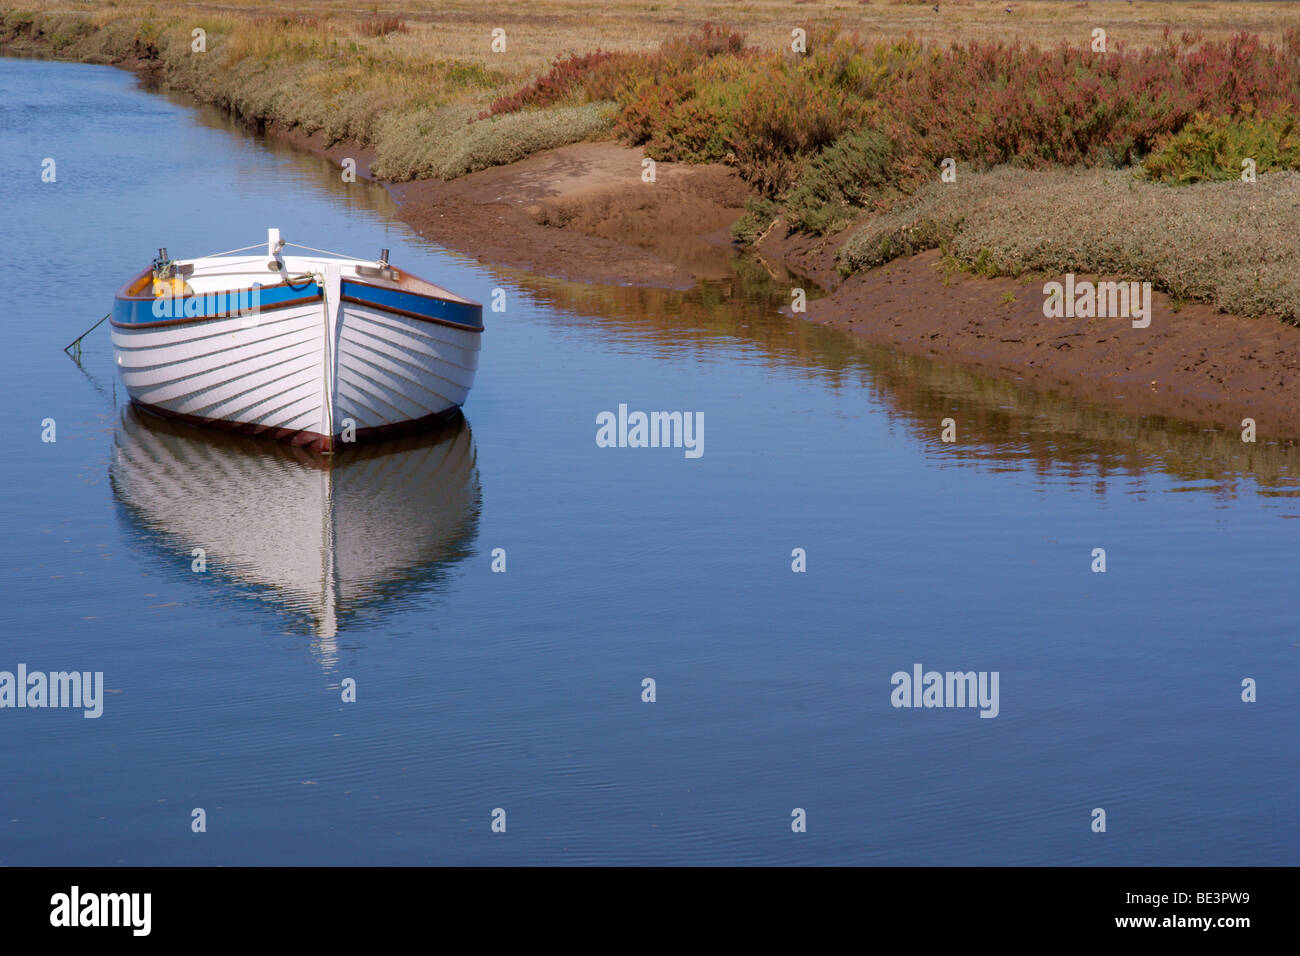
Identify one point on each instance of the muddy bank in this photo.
(580, 212)
(583, 212)
(1192, 362)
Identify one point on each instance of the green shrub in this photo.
(437, 143)
(1213, 147)
(508, 139)
(856, 172)
(755, 220)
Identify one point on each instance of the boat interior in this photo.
(228, 273)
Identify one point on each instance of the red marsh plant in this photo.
(991, 104)
(587, 72)
(998, 103)
(708, 97)
(604, 75)
(784, 119)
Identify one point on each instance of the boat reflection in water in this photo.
(325, 539)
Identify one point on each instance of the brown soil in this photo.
(583, 212)
(1193, 363)
(804, 255)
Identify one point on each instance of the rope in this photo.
(311, 276)
(296, 245)
(256, 245)
(77, 340)
(340, 255)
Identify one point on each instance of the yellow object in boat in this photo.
(173, 287)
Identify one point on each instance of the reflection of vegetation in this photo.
(1002, 424)
(309, 169)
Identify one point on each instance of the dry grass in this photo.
(381, 26)
(438, 144)
(1227, 243)
(541, 30)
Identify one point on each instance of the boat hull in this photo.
(315, 369)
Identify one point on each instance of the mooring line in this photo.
(77, 340)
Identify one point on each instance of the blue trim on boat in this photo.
(150, 309)
(466, 314)
(145, 310)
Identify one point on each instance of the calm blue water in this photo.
(479, 690)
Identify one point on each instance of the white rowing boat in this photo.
(315, 348)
